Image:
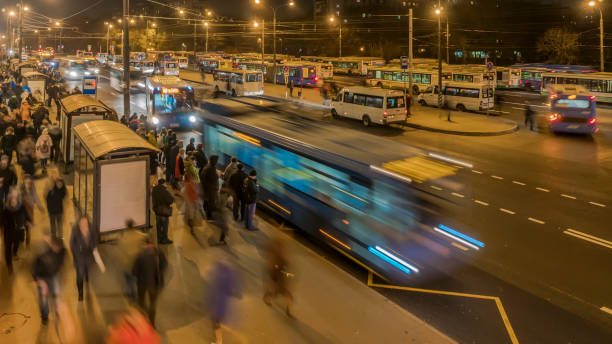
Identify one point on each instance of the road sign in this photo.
(404, 62)
(286, 70)
(490, 66)
(90, 84)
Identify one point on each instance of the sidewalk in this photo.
(331, 306)
(422, 117)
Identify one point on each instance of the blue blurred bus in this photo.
(169, 102)
(572, 109)
(393, 221)
(529, 76)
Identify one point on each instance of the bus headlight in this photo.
(73, 74)
(192, 119)
(155, 120)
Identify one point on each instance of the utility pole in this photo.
(274, 44)
(126, 58)
(20, 29)
(340, 39)
(195, 25)
(447, 38)
(601, 39)
(410, 52)
(262, 46)
(439, 13)
(206, 42)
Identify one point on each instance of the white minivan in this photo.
(370, 105)
(183, 62)
(461, 96)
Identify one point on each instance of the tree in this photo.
(559, 46)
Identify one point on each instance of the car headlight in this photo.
(73, 74)
(96, 71)
(155, 120)
(87, 73)
(192, 119)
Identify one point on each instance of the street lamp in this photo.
(438, 14)
(108, 27)
(332, 19)
(256, 24)
(206, 41)
(601, 33)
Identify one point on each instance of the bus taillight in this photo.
(316, 78)
(591, 97)
(554, 117)
(593, 120)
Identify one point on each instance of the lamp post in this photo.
(206, 41)
(126, 58)
(333, 19)
(10, 15)
(108, 27)
(256, 24)
(291, 3)
(601, 33)
(438, 13)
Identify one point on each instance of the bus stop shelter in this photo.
(111, 175)
(77, 109)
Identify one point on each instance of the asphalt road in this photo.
(531, 187)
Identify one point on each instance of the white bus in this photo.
(395, 77)
(183, 62)
(238, 82)
(370, 105)
(355, 65)
(461, 96)
(168, 67)
(599, 84)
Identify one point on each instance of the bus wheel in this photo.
(379, 84)
(415, 90)
(350, 72)
(216, 89)
(334, 113)
(460, 107)
(422, 102)
(233, 92)
(366, 121)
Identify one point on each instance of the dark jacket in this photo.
(210, 180)
(10, 178)
(47, 264)
(55, 132)
(201, 159)
(81, 248)
(8, 143)
(235, 182)
(149, 268)
(171, 158)
(190, 147)
(161, 199)
(14, 221)
(251, 189)
(55, 200)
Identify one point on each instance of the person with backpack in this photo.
(162, 206)
(250, 189)
(43, 148)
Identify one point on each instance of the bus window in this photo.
(397, 76)
(378, 74)
(253, 77)
(373, 101)
(388, 76)
(395, 102)
(450, 91)
(360, 99)
(348, 97)
(468, 92)
(236, 78)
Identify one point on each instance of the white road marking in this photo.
(436, 187)
(535, 220)
(607, 310)
(568, 196)
(481, 202)
(497, 177)
(463, 248)
(588, 237)
(542, 189)
(507, 211)
(518, 108)
(477, 172)
(519, 183)
(598, 204)
(457, 195)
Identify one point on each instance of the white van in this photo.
(183, 62)
(461, 96)
(169, 67)
(370, 105)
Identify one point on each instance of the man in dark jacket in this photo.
(16, 218)
(251, 189)
(55, 206)
(7, 174)
(45, 270)
(171, 160)
(235, 184)
(83, 245)
(200, 156)
(56, 135)
(209, 179)
(191, 146)
(149, 268)
(162, 206)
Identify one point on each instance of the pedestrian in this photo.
(43, 148)
(224, 284)
(55, 206)
(529, 117)
(45, 270)
(8, 143)
(8, 175)
(277, 282)
(132, 328)
(26, 150)
(231, 168)
(83, 245)
(149, 268)
(250, 189)
(30, 199)
(191, 197)
(191, 146)
(15, 218)
(56, 135)
(162, 206)
(173, 151)
(152, 138)
(200, 157)
(25, 111)
(130, 244)
(235, 185)
(179, 167)
(209, 180)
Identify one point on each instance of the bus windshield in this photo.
(171, 65)
(253, 77)
(171, 98)
(572, 103)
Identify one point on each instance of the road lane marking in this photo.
(518, 108)
(477, 172)
(457, 195)
(481, 202)
(518, 183)
(542, 189)
(463, 248)
(535, 220)
(507, 211)
(598, 204)
(497, 177)
(568, 196)
(588, 237)
(436, 187)
(607, 310)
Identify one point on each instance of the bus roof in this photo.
(167, 80)
(597, 75)
(555, 67)
(375, 91)
(568, 89)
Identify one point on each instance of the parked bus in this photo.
(395, 77)
(169, 101)
(370, 105)
(599, 84)
(572, 109)
(461, 96)
(531, 74)
(209, 64)
(355, 65)
(238, 82)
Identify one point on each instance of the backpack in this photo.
(44, 148)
